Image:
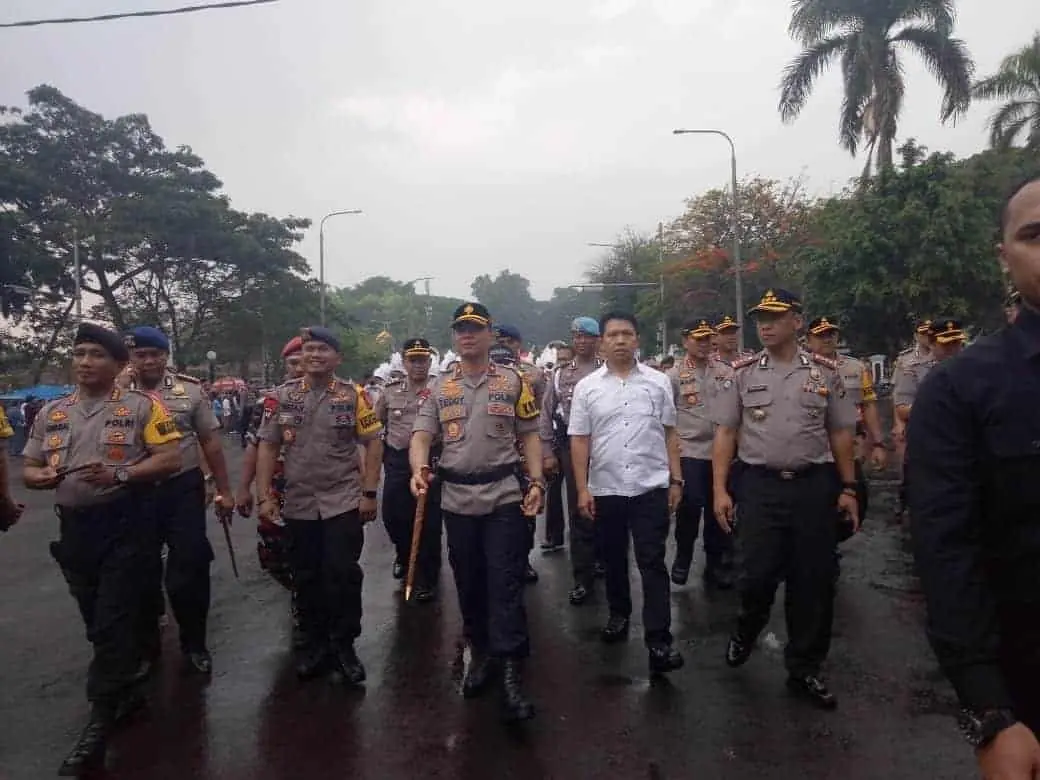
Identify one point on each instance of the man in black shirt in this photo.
(974, 460)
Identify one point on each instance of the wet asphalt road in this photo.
(599, 714)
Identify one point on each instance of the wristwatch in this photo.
(370, 493)
(677, 481)
(980, 727)
(122, 475)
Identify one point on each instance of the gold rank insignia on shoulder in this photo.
(178, 389)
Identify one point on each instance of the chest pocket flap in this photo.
(754, 396)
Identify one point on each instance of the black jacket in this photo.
(973, 489)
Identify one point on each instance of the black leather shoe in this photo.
(599, 571)
(88, 754)
(398, 570)
(424, 594)
(530, 575)
(199, 661)
(515, 706)
(311, 662)
(813, 689)
(350, 665)
(579, 594)
(478, 673)
(680, 572)
(616, 629)
(738, 651)
(665, 659)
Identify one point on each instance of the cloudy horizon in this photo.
(475, 138)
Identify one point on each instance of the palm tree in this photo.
(1017, 82)
(867, 36)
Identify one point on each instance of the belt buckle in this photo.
(788, 475)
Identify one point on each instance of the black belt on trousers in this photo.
(785, 474)
(497, 474)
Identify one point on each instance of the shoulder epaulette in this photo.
(824, 361)
(397, 380)
(187, 378)
(744, 362)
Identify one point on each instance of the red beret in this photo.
(292, 346)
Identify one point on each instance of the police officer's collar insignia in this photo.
(763, 362)
(178, 389)
(803, 359)
(167, 381)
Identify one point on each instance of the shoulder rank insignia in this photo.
(188, 378)
(744, 362)
(825, 361)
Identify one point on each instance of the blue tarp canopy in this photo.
(45, 392)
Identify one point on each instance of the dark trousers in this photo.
(180, 513)
(645, 518)
(399, 518)
(105, 556)
(328, 577)
(583, 542)
(698, 497)
(488, 554)
(786, 531)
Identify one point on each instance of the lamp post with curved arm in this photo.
(734, 226)
(321, 253)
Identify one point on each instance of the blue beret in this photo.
(108, 340)
(585, 325)
(324, 335)
(147, 337)
(508, 332)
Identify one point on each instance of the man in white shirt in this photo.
(625, 452)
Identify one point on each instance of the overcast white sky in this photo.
(475, 135)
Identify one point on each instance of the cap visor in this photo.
(472, 318)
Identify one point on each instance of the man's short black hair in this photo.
(1020, 185)
(618, 315)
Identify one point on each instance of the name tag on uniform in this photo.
(757, 388)
(452, 412)
(288, 419)
(499, 397)
(498, 409)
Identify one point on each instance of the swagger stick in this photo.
(413, 553)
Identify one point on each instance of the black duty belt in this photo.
(784, 474)
(497, 474)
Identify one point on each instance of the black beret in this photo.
(109, 340)
(317, 333)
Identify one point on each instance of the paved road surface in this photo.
(599, 715)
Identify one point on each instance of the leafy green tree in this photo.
(867, 37)
(1017, 84)
(918, 241)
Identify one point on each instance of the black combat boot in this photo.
(478, 673)
(88, 754)
(515, 706)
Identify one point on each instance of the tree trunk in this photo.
(46, 356)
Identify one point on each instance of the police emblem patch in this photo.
(58, 416)
(122, 411)
(54, 441)
(116, 454)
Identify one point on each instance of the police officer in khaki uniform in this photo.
(396, 408)
(789, 412)
(727, 333)
(555, 498)
(695, 382)
(511, 342)
(181, 501)
(9, 510)
(552, 428)
(481, 411)
(320, 420)
(100, 449)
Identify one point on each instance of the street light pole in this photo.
(659, 284)
(734, 222)
(321, 254)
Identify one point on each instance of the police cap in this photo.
(472, 312)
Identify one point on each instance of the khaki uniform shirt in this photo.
(397, 407)
(479, 420)
(693, 390)
(191, 410)
(556, 402)
(783, 413)
(319, 429)
(859, 384)
(118, 431)
(910, 372)
(6, 431)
